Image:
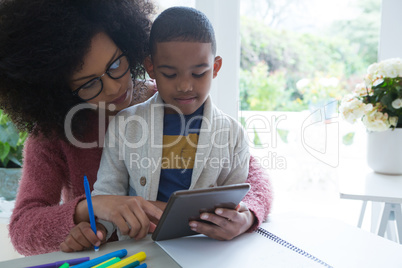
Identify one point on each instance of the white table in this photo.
(156, 257)
(366, 185)
(330, 240)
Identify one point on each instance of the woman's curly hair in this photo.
(43, 41)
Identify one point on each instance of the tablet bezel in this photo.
(179, 210)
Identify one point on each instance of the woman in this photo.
(65, 68)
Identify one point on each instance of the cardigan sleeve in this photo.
(112, 176)
(260, 196)
(39, 222)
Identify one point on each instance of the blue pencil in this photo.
(90, 207)
(119, 253)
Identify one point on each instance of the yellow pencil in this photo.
(140, 256)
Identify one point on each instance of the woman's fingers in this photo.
(69, 246)
(80, 238)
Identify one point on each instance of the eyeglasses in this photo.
(91, 89)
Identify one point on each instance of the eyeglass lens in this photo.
(116, 70)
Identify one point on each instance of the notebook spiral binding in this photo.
(288, 245)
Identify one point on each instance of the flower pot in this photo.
(9, 179)
(384, 151)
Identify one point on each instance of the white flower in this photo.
(390, 69)
(375, 116)
(396, 104)
(376, 121)
(360, 90)
(372, 69)
(352, 108)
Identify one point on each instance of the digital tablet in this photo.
(186, 205)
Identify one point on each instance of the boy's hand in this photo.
(227, 223)
(161, 205)
(133, 215)
(82, 237)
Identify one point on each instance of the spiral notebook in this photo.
(247, 250)
(290, 246)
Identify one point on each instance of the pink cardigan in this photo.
(52, 185)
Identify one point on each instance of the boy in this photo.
(198, 146)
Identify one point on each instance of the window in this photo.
(298, 58)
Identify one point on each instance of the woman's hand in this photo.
(82, 237)
(133, 215)
(227, 223)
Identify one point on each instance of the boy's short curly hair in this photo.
(182, 24)
(43, 41)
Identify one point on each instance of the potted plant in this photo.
(377, 103)
(11, 145)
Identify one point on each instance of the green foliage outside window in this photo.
(275, 61)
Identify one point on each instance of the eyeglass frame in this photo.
(75, 92)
